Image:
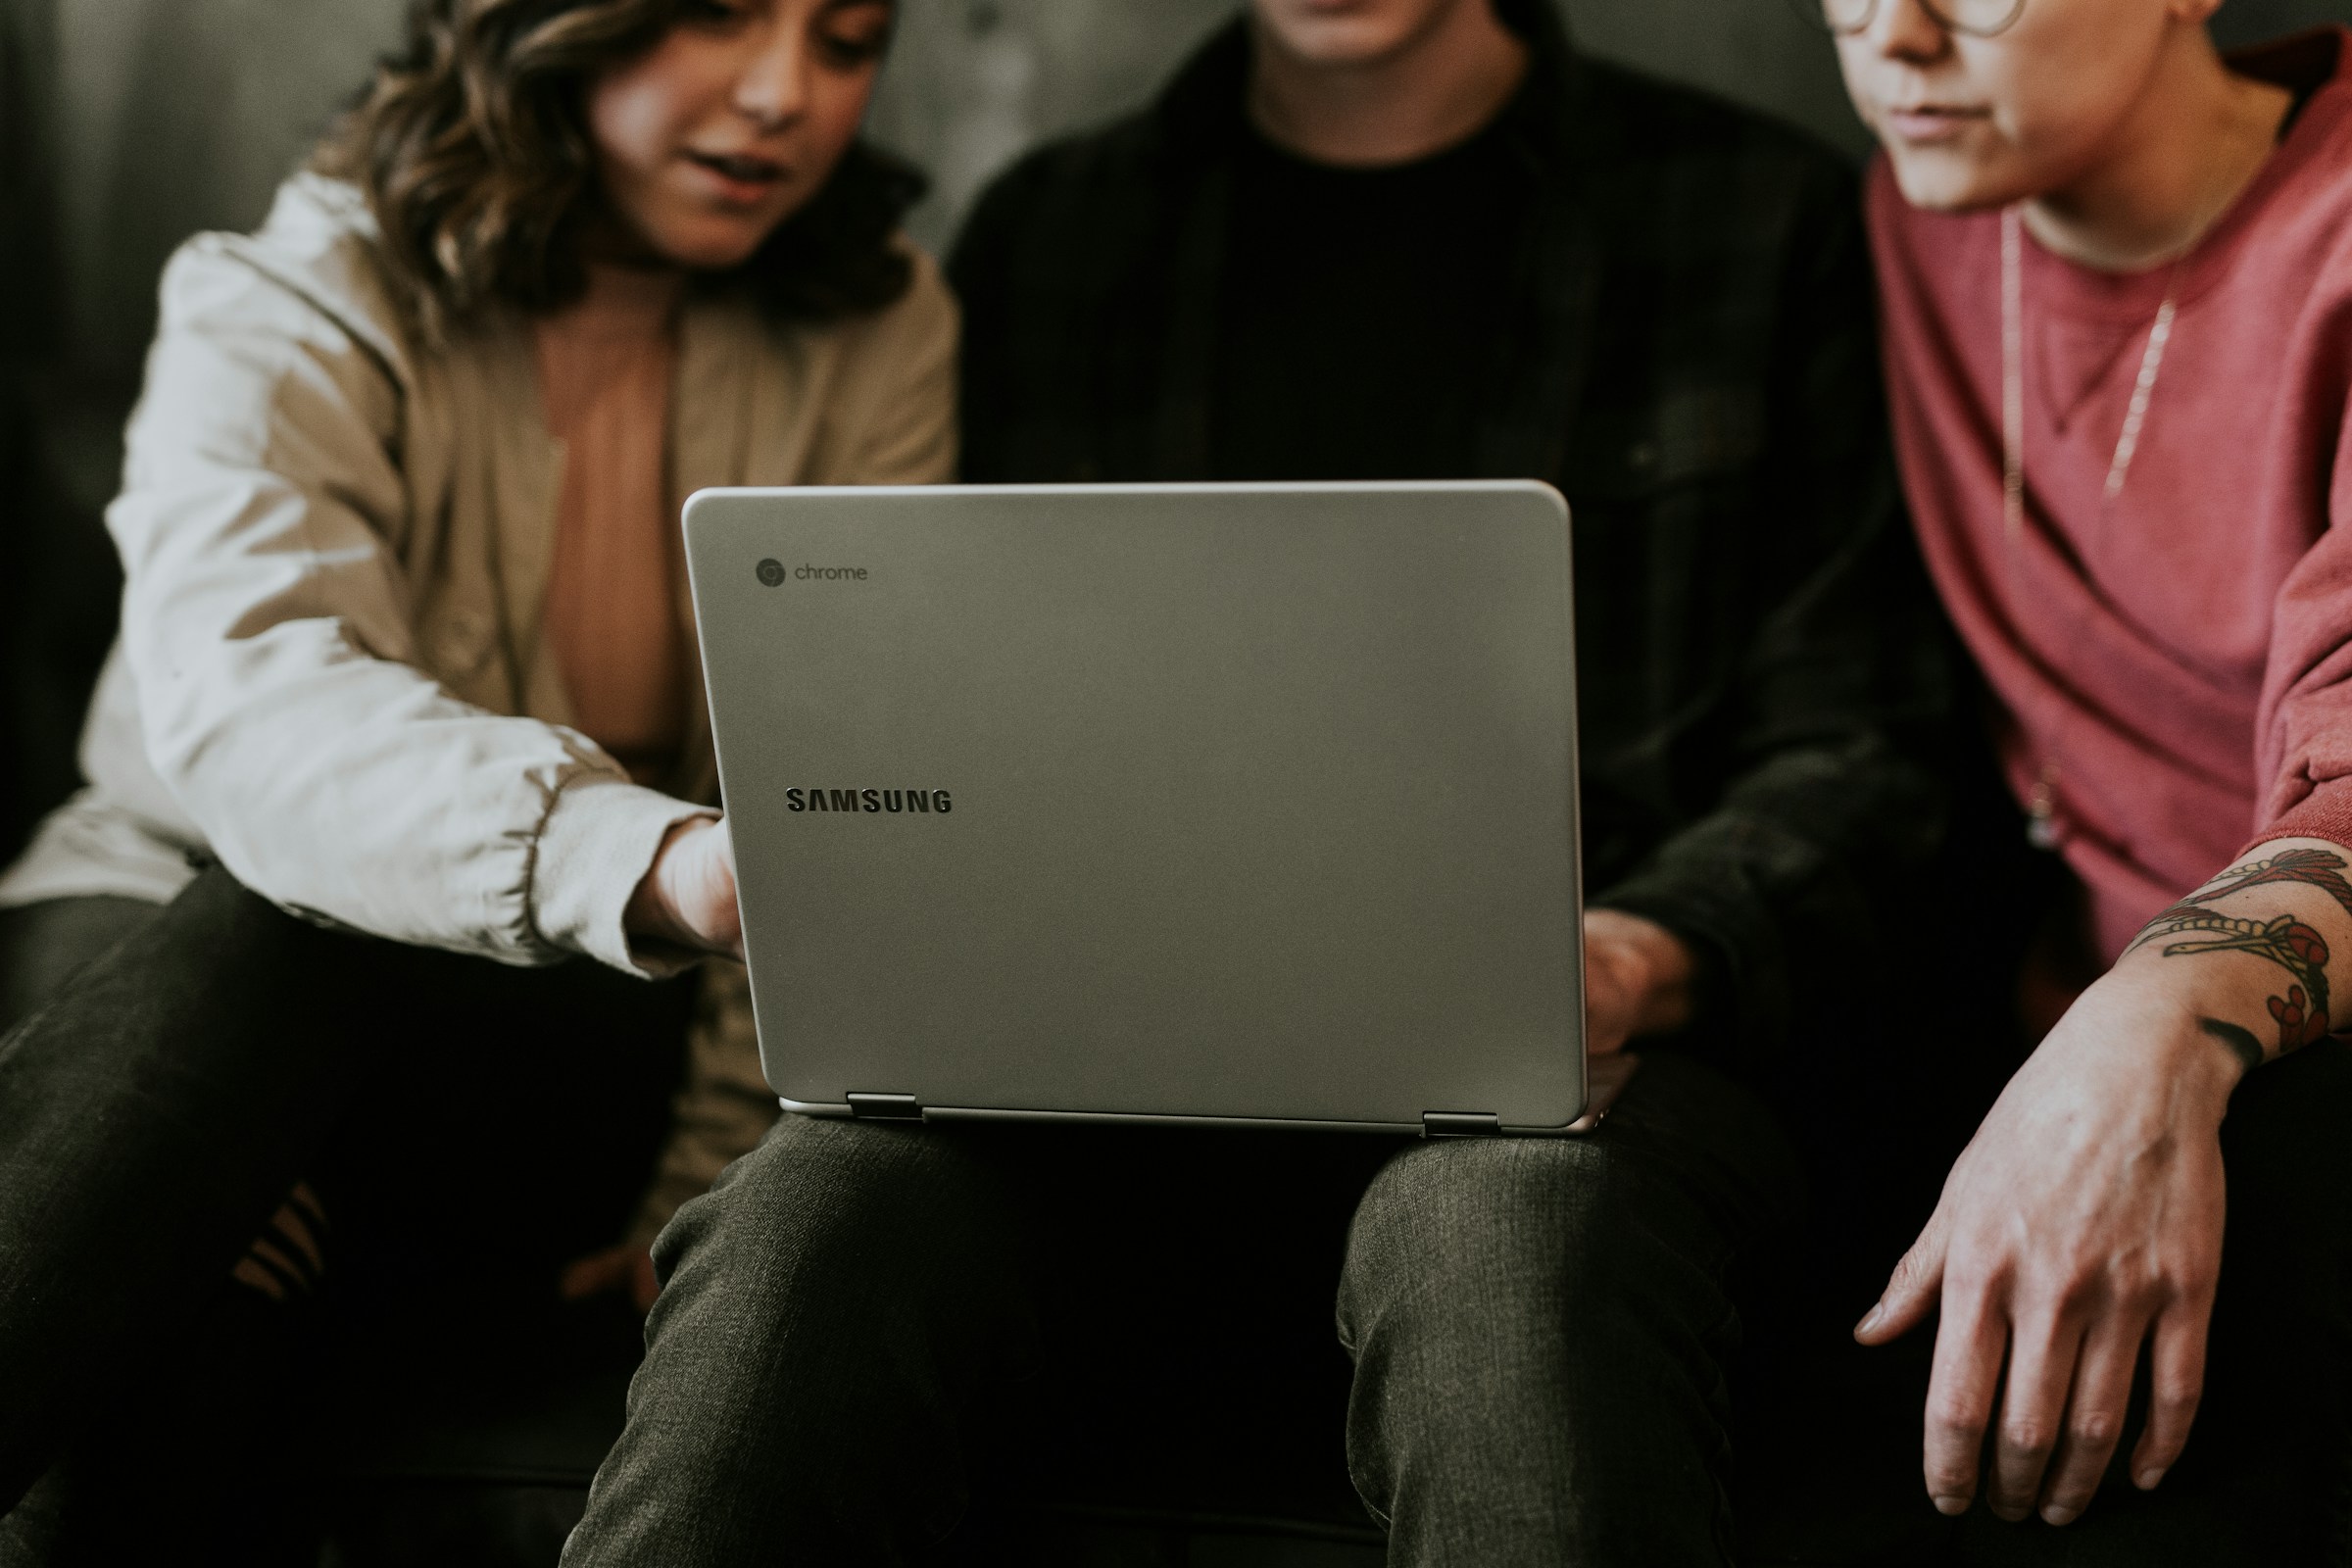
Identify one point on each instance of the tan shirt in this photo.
(336, 675)
(605, 366)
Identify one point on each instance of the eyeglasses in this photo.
(1979, 19)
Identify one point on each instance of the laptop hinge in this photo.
(885, 1108)
(1459, 1124)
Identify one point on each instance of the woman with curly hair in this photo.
(400, 783)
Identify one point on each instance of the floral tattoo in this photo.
(2317, 868)
(2302, 1013)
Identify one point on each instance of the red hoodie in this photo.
(2179, 670)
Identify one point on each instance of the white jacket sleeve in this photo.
(268, 626)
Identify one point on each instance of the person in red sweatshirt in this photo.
(2116, 279)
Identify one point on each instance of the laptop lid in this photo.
(1226, 803)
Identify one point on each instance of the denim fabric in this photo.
(468, 1126)
(43, 945)
(1542, 1332)
(865, 1327)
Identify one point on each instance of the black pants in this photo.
(869, 1331)
(468, 1128)
(865, 1327)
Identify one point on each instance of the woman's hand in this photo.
(688, 895)
(2084, 1218)
(1637, 980)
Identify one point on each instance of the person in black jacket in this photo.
(1393, 239)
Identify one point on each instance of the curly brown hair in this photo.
(472, 148)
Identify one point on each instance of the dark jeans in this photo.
(866, 1327)
(468, 1128)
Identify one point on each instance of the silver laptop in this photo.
(1184, 803)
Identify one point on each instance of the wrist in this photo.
(2165, 1021)
(652, 908)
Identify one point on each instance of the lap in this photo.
(1686, 1160)
(1163, 1283)
(44, 944)
(1183, 1281)
(465, 1120)
(1105, 1211)
(470, 1128)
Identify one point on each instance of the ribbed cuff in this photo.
(594, 849)
(2325, 813)
(1726, 1000)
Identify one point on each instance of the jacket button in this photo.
(1644, 455)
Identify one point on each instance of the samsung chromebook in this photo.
(1200, 803)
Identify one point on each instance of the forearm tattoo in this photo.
(2302, 1013)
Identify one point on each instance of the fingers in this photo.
(253, 1276)
(306, 1200)
(2042, 1352)
(297, 1224)
(1960, 1394)
(2063, 1409)
(1911, 1290)
(288, 1259)
(730, 924)
(706, 892)
(2094, 1415)
(687, 896)
(2177, 1380)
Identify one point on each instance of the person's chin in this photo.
(715, 246)
(1337, 42)
(1944, 178)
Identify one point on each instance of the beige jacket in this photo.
(331, 675)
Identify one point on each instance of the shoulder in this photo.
(1652, 123)
(1681, 179)
(1073, 215)
(312, 271)
(2308, 209)
(917, 329)
(1062, 197)
(295, 323)
(1086, 163)
(877, 390)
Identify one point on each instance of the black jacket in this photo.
(1696, 373)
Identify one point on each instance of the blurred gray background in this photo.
(151, 118)
(128, 124)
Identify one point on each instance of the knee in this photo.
(820, 1196)
(1464, 1304)
(865, 1273)
(843, 1242)
(1478, 1224)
